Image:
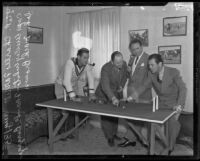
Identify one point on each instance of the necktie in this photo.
(136, 59)
(158, 79)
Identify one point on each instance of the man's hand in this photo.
(120, 89)
(133, 97)
(115, 101)
(178, 110)
(129, 69)
(92, 97)
(75, 99)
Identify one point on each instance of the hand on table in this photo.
(75, 99)
(92, 97)
(178, 110)
(120, 89)
(115, 101)
(134, 97)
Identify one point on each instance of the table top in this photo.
(133, 111)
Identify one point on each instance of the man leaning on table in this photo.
(114, 75)
(171, 91)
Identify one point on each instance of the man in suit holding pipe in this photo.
(75, 75)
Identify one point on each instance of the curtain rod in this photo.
(93, 10)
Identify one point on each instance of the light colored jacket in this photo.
(73, 79)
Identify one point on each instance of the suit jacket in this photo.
(111, 80)
(139, 76)
(172, 90)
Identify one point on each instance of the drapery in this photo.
(99, 32)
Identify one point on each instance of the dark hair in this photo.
(114, 54)
(134, 41)
(156, 57)
(81, 51)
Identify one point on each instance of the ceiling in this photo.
(71, 9)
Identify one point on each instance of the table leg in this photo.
(152, 139)
(76, 123)
(167, 133)
(50, 126)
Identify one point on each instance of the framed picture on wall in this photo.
(170, 54)
(35, 34)
(142, 35)
(175, 26)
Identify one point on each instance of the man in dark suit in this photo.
(110, 89)
(138, 68)
(171, 91)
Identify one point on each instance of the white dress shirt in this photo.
(135, 64)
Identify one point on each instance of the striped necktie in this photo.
(136, 59)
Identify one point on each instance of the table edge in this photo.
(113, 115)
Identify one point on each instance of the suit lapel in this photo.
(139, 63)
(165, 78)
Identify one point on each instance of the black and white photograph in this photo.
(98, 80)
(170, 54)
(142, 35)
(35, 34)
(175, 26)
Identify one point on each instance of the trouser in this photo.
(70, 121)
(173, 131)
(109, 126)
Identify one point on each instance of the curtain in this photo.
(99, 32)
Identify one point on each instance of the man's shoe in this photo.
(111, 142)
(145, 144)
(166, 151)
(70, 136)
(170, 151)
(127, 143)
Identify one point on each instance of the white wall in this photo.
(151, 18)
(45, 58)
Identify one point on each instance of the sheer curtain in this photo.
(99, 32)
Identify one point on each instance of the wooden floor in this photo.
(91, 142)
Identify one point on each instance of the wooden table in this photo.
(132, 111)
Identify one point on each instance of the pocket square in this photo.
(142, 65)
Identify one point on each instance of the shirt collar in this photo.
(140, 55)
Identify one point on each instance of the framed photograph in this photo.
(142, 35)
(35, 34)
(175, 26)
(170, 54)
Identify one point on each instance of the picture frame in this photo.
(175, 26)
(170, 54)
(35, 34)
(141, 34)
